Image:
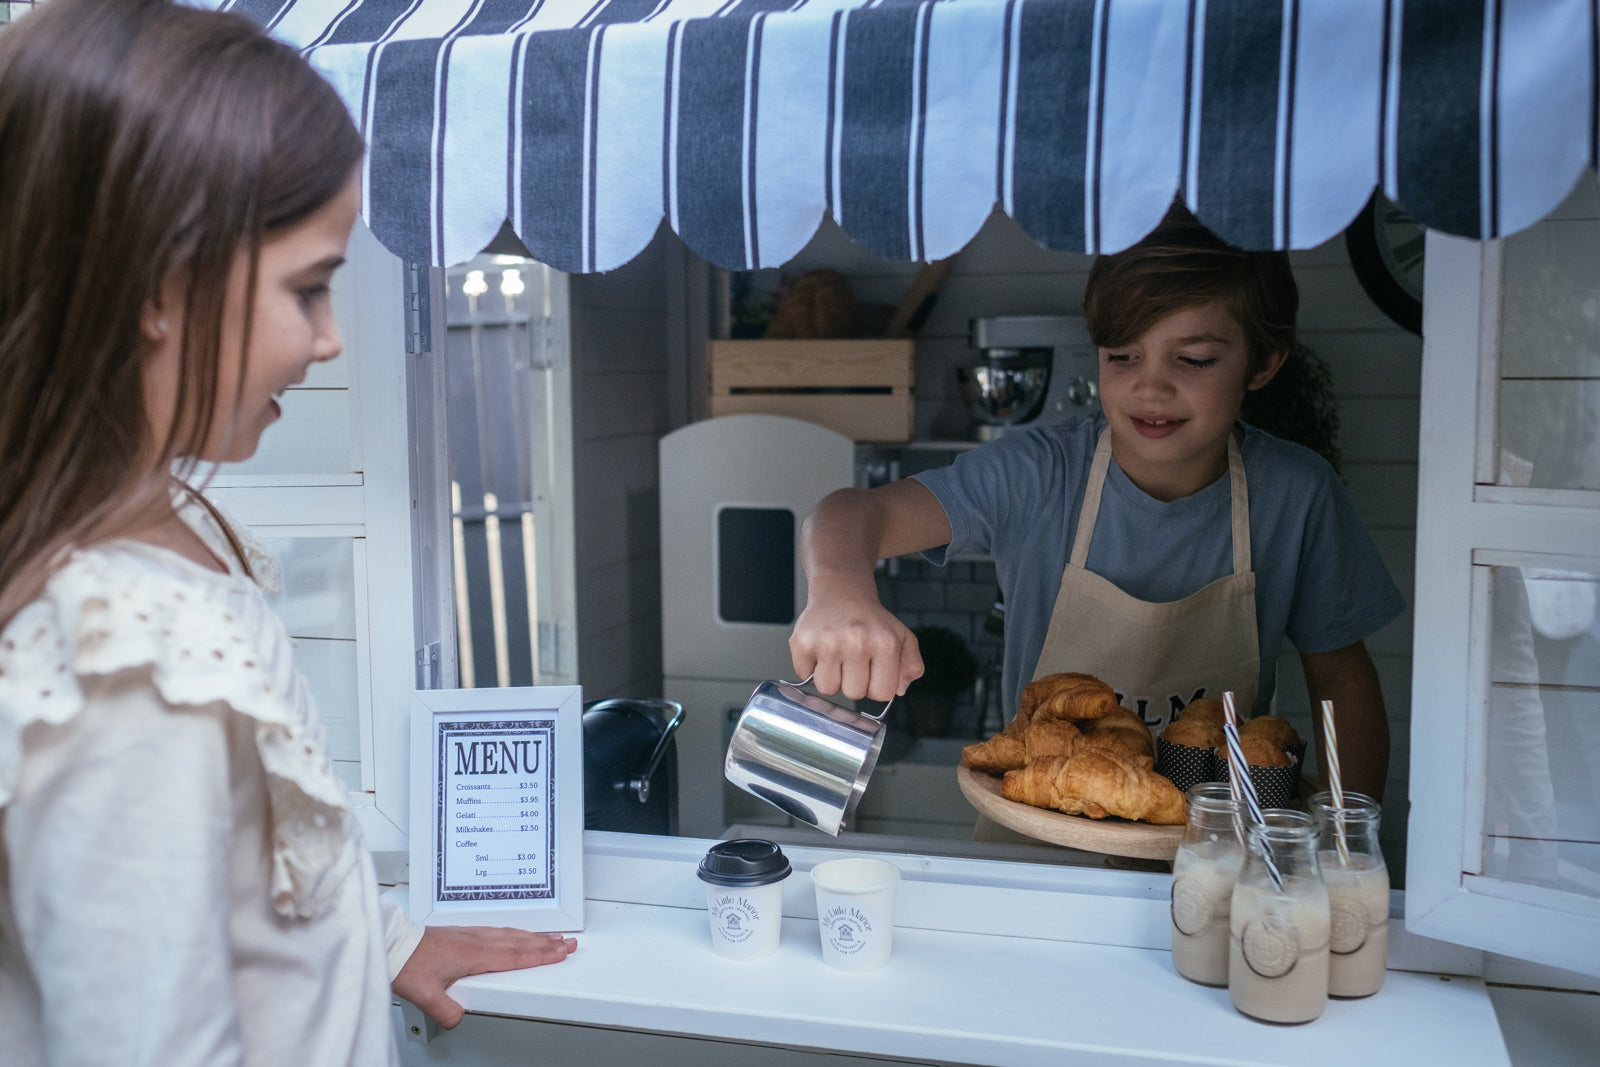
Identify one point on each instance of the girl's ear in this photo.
(154, 318)
(153, 322)
(1270, 368)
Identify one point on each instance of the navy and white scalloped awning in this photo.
(744, 122)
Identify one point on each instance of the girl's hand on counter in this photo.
(854, 646)
(448, 953)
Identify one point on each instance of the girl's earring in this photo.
(161, 326)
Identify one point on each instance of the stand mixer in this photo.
(1035, 370)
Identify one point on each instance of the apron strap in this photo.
(1239, 497)
(1091, 501)
(1241, 508)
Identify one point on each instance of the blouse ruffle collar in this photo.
(205, 638)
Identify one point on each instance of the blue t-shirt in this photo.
(1319, 580)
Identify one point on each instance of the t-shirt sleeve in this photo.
(980, 490)
(121, 907)
(1343, 592)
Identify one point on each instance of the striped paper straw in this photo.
(1231, 723)
(1334, 785)
(1239, 775)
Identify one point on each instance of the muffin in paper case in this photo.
(1276, 787)
(1187, 765)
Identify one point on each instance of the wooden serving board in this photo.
(1112, 836)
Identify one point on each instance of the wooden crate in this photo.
(861, 389)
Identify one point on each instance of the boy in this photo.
(1202, 542)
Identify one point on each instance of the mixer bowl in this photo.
(1008, 387)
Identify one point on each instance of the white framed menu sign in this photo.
(497, 807)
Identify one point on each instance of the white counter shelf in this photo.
(994, 963)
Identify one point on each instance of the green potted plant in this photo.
(949, 668)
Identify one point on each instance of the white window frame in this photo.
(1461, 522)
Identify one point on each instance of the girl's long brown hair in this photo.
(140, 141)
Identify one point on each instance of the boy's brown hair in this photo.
(1181, 264)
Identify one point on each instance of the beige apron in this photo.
(1157, 657)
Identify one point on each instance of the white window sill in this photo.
(967, 983)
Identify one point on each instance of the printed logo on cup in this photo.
(847, 929)
(734, 917)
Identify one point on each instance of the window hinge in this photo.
(428, 667)
(419, 322)
(542, 343)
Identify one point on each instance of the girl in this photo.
(181, 877)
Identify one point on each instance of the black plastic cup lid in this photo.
(749, 861)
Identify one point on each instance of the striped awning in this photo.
(582, 123)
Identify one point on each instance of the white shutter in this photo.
(1504, 845)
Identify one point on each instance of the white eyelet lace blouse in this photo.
(181, 878)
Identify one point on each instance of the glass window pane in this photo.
(1542, 803)
(1550, 354)
(499, 424)
(318, 607)
(319, 586)
(330, 670)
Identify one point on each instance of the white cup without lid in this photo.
(744, 896)
(855, 911)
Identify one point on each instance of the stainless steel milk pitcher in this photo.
(804, 754)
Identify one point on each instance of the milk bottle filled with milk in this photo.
(1203, 875)
(1358, 892)
(1278, 932)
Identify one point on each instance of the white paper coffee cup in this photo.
(744, 897)
(745, 922)
(855, 911)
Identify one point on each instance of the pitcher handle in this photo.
(807, 681)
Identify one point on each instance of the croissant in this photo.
(1097, 783)
(1065, 696)
(1120, 730)
(1002, 752)
(1059, 737)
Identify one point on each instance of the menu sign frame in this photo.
(497, 807)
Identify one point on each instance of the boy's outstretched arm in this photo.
(845, 639)
(1347, 677)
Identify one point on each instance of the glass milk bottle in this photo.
(1358, 893)
(1203, 875)
(1278, 932)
